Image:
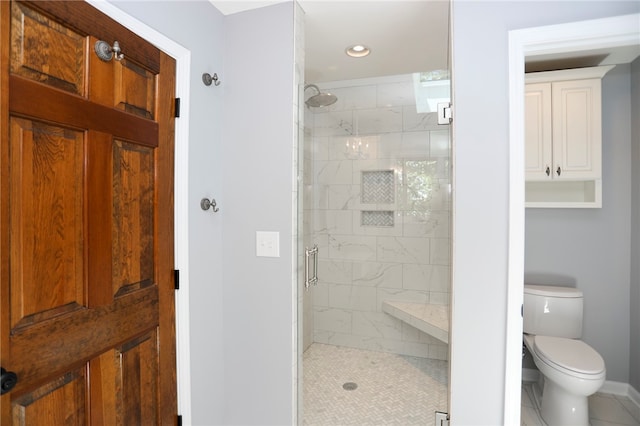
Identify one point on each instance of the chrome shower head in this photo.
(321, 99)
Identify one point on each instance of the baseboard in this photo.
(610, 387)
(530, 375)
(634, 395)
(615, 388)
(622, 389)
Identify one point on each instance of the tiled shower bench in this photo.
(431, 319)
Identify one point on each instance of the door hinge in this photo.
(442, 419)
(176, 279)
(445, 114)
(176, 108)
(179, 421)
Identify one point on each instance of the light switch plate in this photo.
(267, 244)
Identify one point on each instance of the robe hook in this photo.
(106, 52)
(206, 203)
(207, 79)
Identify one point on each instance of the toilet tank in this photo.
(552, 311)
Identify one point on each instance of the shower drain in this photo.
(350, 386)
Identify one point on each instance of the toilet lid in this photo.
(570, 354)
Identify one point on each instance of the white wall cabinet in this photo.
(563, 138)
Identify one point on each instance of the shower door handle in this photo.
(310, 271)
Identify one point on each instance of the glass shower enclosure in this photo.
(374, 219)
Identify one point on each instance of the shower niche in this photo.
(377, 187)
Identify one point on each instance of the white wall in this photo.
(257, 169)
(590, 248)
(634, 354)
(481, 147)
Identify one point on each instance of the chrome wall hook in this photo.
(106, 52)
(207, 79)
(205, 204)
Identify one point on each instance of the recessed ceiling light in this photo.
(357, 51)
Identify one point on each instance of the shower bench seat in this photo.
(431, 319)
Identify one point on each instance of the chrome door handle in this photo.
(310, 275)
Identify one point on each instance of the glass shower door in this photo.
(374, 198)
(377, 205)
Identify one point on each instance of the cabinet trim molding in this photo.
(568, 74)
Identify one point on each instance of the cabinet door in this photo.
(576, 129)
(538, 150)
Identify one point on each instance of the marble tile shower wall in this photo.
(374, 127)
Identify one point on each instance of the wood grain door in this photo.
(86, 221)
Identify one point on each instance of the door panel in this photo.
(576, 128)
(133, 190)
(45, 51)
(46, 192)
(87, 315)
(62, 401)
(139, 372)
(134, 89)
(538, 141)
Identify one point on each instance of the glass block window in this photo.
(378, 187)
(377, 218)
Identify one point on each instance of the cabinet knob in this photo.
(558, 171)
(548, 171)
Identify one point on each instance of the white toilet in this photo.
(570, 369)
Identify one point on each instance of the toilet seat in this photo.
(573, 357)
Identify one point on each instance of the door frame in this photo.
(562, 38)
(181, 191)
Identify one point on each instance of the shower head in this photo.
(321, 99)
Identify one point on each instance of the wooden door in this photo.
(86, 221)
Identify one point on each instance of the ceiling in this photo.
(404, 36)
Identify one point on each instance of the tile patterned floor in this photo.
(604, 410)
(402, 390)
(392, 389)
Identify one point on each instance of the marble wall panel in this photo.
(374, 126)
(403, 249)
(377, 274)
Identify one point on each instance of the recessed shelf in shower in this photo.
(377, 218)
(378, 187)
